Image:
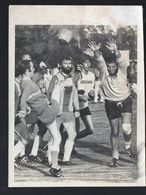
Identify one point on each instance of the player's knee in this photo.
(55, 145)
(89, 128)
(126, 128)
(90, 131)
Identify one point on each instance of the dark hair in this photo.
(18, 71)
(110, 60)
(83, 57)
(65, 57)
(21, 67)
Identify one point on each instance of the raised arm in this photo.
(95, 48)
(98, 56)
(112, 47)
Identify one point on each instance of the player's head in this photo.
(85, 60)
(66, 64)
(26, 68)
(112, 66)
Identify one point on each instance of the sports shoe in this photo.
(114, 163)
(35, 159)
(15, 165)
(22, 159)
(131, 153)
(55, 172)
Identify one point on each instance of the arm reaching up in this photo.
(98, 56)
(112, 47)
(95, 48)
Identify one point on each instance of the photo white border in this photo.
(78, 15)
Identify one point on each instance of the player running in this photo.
(85, 86)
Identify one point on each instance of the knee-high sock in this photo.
(54, 155)
(35, 146)
(18, 148)
(22, 153)
(68, 149)
(49, 155)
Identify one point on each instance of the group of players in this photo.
(58, 107)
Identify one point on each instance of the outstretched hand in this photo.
(21, 114)
(94, 46)
(111, 45)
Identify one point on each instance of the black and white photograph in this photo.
(76, 96)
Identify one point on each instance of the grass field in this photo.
(90, 166)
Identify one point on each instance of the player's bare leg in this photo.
(89, 127)
(55, 170)
(114, 138)
(71, 131)
(127, 132)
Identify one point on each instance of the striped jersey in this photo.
(69, 97)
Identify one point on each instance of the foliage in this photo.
(42, 44)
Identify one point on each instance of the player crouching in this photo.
(45, 111)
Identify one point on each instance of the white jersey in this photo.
(86, 83)
(115, 88)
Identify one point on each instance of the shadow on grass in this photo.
(35, 168)
(100, 149)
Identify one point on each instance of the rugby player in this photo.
(118, 102)
(20, 127)
(85, 85)
(69, 104)
(45, 111)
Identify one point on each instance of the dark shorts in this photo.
(115, 108)
(85, 111)
(31, 118)
(42, 128)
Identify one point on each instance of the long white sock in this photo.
(96, 92)
(127, 144)
(22, 153)
(18, 148)
(68, 149)
(35, 146)
(49, 155)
